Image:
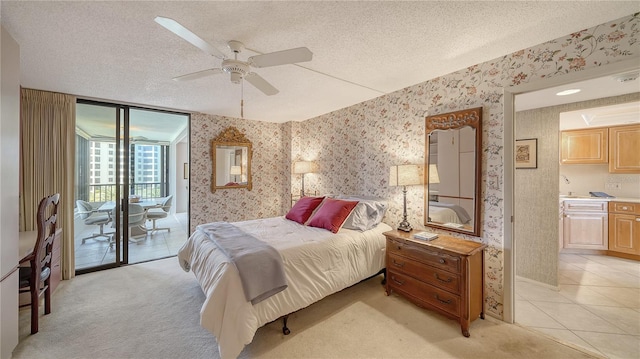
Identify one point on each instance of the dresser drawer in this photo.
(624, 207)
(433, 296)
(431, 275)
(425, 255)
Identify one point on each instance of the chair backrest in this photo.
(84, 209)
(47, 224)
(136, 214)
(165, 204)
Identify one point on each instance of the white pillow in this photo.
(367, 214)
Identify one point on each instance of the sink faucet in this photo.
(566, 180)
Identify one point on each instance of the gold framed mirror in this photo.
(453, 170)
(231, 156)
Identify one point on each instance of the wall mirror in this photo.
(453, 156)
(231, 156)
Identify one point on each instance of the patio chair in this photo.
(93, 218)
(161, 212)
(136, 218)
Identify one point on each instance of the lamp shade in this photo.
(235, 170)
(433, 174)
(302, 167)
(405, 175)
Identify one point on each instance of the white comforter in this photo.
(317, 264)
(443, 215)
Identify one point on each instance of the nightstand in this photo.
(445, 274)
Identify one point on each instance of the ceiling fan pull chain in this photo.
(242, 99)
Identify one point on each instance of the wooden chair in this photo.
(35, 278)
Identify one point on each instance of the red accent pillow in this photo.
(304, 207)
(332, 214)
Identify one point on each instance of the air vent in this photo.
(630, 76)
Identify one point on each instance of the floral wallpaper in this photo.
(355, 146)
(269, 169)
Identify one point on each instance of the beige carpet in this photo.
(151, 310)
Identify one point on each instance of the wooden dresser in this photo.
(445, 274)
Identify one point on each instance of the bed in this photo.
(447, 213)
(317, 262)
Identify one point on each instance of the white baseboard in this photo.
(545, 285)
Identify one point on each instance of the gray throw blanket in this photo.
(259, 265)
(462, 214)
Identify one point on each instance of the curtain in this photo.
(47, 155)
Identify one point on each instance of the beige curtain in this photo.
(47, 157)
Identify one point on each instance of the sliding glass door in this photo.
(131, 195)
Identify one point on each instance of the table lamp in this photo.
(303, 167)
(405, 175)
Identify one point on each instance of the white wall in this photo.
(9, 169)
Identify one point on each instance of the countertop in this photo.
(605, 199)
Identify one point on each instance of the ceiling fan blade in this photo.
(197, 75)
(261, 84)
(183, 32)
(300, 54)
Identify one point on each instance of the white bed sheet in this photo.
(443, 215)
(317, 263)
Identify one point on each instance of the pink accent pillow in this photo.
(304, 207)
(332, 214)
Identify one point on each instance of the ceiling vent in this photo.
(630, 76)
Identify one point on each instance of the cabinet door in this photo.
(624, 233)
(624, 149)
(584, 146)
(448, 164)
(585, 230)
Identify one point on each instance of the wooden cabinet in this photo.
(624, 149)
(588, 146)
(624, 229)
(585, 224)
(445, 274)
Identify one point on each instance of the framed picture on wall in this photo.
(527, 153)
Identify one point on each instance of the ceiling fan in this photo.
(237, 69)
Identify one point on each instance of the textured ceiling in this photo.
(114, 51)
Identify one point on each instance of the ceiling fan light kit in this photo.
(237, 69)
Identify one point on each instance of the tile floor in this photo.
(155, 245)
(597, 306)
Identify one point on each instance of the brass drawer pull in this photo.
(448, 280)
(398, 264)
(448, 301)
(441, 261)
(397, 281)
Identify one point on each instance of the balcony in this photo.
(147, 245)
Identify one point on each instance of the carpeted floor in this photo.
(151, 310)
